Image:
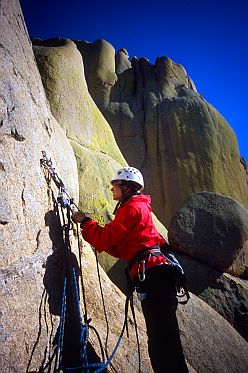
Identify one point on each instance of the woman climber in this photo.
(133, 237)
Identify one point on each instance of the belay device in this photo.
(73, 332)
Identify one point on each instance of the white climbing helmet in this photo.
(129, 174)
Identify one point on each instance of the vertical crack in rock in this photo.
(37, 241)
(5, 209)
(23, 202)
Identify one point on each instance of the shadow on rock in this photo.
(55, 266)
(224, 293)
(117, 275)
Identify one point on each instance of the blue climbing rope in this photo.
(61, 328)
(84, 336)
(84, 329)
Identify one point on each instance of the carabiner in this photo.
(142, 271)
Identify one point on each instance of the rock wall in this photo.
(26, 215)
(226, 294)
(164, 127)
(62, 71)
(31, 245)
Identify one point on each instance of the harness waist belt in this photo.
(154, 250)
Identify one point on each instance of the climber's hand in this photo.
(78, 217)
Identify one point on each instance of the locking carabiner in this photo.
(142, 271)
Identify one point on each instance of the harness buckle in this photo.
(142, 271)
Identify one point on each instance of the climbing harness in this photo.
(172, 264)
(70, 301)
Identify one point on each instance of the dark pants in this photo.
(159, 308)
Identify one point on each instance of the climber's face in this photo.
(116, 190)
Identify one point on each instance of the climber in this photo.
(130, 233)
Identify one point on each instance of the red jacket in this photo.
(131, 231)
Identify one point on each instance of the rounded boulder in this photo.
(213, 229)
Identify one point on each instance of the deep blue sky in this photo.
(208, 37)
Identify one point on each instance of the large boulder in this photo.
(213, 229)
(164, 127)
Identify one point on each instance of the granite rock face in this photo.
(31, 265)
(62, 72)
(222, 341)
(27, 128)
(165, 128)
(226, 294)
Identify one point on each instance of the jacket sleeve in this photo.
(109, 237)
